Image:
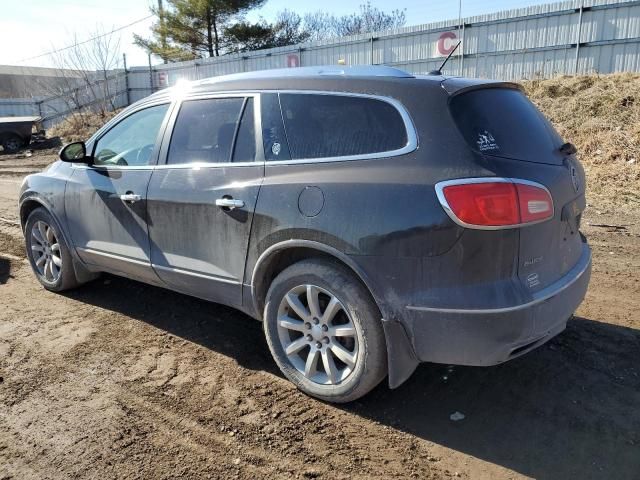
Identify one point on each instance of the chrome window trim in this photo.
(412, 135)
(127, 112)
(106, 128)
(411, 146)
(440, 186)
(259, 161)
(194, 166)
(257, 119)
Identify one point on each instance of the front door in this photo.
(106, 202)
(201, 202)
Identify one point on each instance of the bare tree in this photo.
(369, 19)
(289, 29)
(322, 25)
(88, 75)
(319, 25)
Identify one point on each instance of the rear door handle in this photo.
(130, 197)
(230, 203)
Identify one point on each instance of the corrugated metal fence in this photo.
(108, 93)
(577, 36)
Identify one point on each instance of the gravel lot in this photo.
(123, 380)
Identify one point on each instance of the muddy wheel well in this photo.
(284, 258)
(25, 210)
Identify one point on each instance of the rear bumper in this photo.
(492, 336)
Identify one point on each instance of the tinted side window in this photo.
(245, 149)
(204, 131)
(503, 122)
(321, 126)
(131, 141)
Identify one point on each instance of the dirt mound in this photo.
(80, 126)
(600, 114)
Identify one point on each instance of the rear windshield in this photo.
(503, 122)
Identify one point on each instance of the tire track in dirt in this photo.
(217, 415)
(123, 380)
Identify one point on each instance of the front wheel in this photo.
(324, 331)
(48, 253)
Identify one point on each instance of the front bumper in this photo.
(492, 336)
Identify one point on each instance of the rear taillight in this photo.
(535, 202)
(493, 203)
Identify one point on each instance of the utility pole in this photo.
(461, 33)
(126, 78)
(163, 37)
(150, 74)
(579, 35)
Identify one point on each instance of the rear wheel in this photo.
(12, 143)
(48, 253)
(324, 331)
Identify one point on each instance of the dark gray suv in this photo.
(370, 218)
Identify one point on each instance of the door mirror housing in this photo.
(75, 152)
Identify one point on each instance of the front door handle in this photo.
(230, 203)
(130, 197)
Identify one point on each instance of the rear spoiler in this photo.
(458, 86)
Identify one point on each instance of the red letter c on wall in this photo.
(446, 43)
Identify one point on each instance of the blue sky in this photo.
(31, 27)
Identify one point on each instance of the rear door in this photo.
(504, 127)
(201, 201)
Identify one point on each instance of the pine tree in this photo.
(188, 29)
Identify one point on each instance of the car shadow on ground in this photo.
(216, 327)
(567, 410)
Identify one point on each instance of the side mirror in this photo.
(75, 152)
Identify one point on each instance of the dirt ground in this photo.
(123, 380)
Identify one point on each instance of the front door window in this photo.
(131, 141)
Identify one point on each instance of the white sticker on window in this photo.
(486, 142)
(275, 148)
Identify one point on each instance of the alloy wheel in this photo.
(45, 251)
(317, 334)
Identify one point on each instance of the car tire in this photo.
(336, 368)
(12, 143)
(48, 252)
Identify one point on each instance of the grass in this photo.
(600, 115)
(80, 125)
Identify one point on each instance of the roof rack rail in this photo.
(329, 70)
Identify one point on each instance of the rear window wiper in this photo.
(568, 149)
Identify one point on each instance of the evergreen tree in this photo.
(188, 29)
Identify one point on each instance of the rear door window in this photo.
(325, 125)
(204, 131)
(504, 122)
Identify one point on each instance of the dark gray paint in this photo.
(432, 279)
(104, 229)
(213, 268)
